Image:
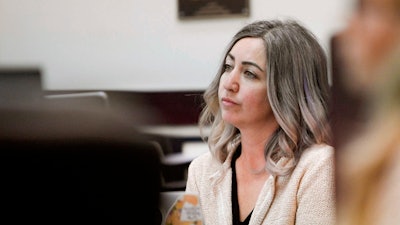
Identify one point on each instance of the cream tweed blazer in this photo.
(305, 197)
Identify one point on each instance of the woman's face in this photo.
(242, 89)
(372, 34)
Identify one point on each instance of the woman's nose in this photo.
(231, 82)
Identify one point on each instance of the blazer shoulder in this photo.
(203, 160)
(319, 151)
(317, 155)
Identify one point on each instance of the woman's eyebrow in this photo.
(253, 64)
(231, 56)
(245, 62)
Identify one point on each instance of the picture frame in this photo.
(195, 9)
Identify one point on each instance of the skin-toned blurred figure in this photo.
(369, 164)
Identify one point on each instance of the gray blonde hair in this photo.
(298, 92)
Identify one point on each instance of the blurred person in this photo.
(270, 161)
(369, 164)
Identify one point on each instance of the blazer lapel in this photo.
(224, 196)
(222, 191)
(264, 202)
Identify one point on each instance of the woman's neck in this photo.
(253, 142)
(255, 138)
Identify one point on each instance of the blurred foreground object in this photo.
(76, 168)
(368, 164)
(185, 211)
(73, 164)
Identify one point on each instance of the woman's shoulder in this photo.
(205, 164)
(202, 160)
(319, 150)
(317, 154)
(316, 165)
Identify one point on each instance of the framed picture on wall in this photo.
(191, 9)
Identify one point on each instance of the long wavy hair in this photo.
(298, 92)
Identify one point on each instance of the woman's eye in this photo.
(227, 67)
(250, 75)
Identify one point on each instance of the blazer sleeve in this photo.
(191, 183)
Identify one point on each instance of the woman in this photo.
(269, 159)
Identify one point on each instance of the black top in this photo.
(235, 203)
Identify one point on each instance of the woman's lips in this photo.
(228, 102)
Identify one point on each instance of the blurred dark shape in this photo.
(347, 108)
(73, 164)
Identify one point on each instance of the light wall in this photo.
(134, 44)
